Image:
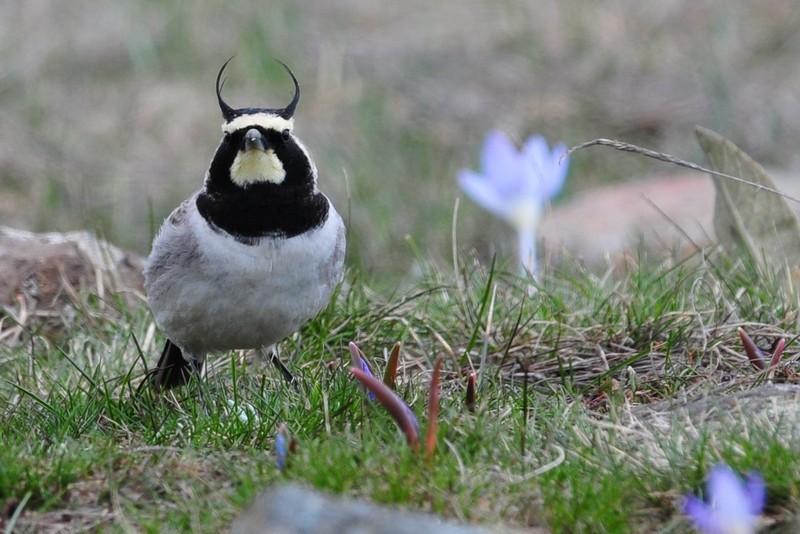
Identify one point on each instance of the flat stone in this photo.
(292, 509)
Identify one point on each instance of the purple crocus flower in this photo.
(281, 450)
(515, 185)
(360, 362)
(731, 506)
(366, 368)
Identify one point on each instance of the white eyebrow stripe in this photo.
(265, 120)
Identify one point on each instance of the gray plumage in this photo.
(209, 292)
(252, 256)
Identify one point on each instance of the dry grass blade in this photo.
(669, 158)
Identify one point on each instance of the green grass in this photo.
(581, 443)
(574, 447)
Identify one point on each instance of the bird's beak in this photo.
(254, 139)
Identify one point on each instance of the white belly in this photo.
(235, 296)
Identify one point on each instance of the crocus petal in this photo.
(548, 173)
(367, 371)
(284, 444)
(499, 157)
(701, 515)
(484, 193)
(731, 506)
(280, 451)
(359, 360)
(756, 492)
(365, 367)
(727, 494)
(538, 152)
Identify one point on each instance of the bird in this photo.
(252, 256)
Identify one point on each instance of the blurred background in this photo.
(109, 117)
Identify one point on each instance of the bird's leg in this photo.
(196, 365)
(272, 354)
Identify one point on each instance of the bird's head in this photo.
(258, 145)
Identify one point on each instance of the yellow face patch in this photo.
(256, 165)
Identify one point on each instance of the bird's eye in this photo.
(285, 135)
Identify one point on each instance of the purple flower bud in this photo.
(730, 506)
(281, 451)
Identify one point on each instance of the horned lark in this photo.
(253, 255)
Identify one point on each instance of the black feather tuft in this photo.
(228, 113)
(288, 111)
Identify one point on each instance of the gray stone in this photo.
(292, 509)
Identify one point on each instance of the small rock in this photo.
(40, 274)
(291, 509)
